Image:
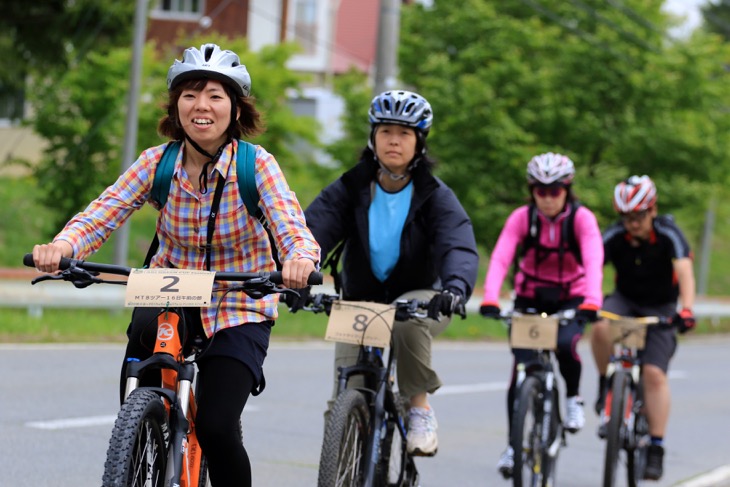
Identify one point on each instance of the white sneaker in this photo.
(421, 439)
(506, 463)
(574, 417)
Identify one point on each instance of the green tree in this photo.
(82, 115)
(598, 81)
(716, 17)
(40, 40)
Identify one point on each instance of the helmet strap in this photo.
(213, 160)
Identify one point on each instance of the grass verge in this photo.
(69, 325)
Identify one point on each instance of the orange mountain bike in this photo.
(154, 442)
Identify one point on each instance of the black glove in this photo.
(685, 320)
(586, 315)
(490, 311)
(294, 302)
(446, 303)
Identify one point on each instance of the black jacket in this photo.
(437, 242)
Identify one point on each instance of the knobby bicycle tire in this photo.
(615, 435)
(343, 449)
(395, 467)
(526, 433)
(137, 453)
(637, 454)
(550, 463)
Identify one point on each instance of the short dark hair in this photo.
(249, 123)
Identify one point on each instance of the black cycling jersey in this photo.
(645, 273)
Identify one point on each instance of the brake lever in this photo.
(80, 278)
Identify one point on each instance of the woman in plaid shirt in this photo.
(209, 109)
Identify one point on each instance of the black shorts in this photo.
(661, 342)
(247, 343)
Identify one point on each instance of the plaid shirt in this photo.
(240, 243)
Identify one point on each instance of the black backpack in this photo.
(567, 232)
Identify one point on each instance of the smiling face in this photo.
(205, 115)
(395, 146)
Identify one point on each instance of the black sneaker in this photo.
(600, 402)
(654, 462)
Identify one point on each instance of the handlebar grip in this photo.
(315, 278)
(63, 265)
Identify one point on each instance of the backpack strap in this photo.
(568, 232)
(163, 173)
(246, 171)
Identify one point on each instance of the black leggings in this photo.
(225, 385)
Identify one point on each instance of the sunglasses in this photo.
(634, 216)
(553, 191)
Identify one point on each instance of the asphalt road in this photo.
(57, 405)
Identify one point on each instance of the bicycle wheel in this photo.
(395, 467)
(550, 462)
(615, 433)
(345, 435)
(526, 434)
(137, 453)
(636, 455)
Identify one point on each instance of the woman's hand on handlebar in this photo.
(47, 257)
(295, 272)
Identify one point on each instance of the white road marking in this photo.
(69, 423)
(472, 388)
(59, 424)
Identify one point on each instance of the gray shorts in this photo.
(661, 342)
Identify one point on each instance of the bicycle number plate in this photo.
(534, 332)
(360, 323)
(629, 333)
(169, 287)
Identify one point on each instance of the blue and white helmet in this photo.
(550, 168)
(210, 61)
(402, 108)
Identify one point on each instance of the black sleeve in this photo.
(328, 216)
(454, 242)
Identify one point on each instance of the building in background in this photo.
(334, 35)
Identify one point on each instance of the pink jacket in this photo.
(582, 280)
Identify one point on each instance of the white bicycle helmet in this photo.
(210, 61)
(402, 108)
(637, 193)
(550, 168)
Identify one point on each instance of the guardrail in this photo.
(16, 291)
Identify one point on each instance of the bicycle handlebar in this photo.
(322, 303)
(315, 278)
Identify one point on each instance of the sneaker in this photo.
(574, 417)
(506, 463)
(654, 462)
(421, 439)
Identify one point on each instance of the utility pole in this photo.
(386, 57)
(121, 249)
(709, 229)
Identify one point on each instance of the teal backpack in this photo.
(245, 169)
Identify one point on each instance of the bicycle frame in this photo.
(368, 421)
(626, 429)
(381, 399)
(544, 370)
(537, 397)
(157, 423)
(183, 462)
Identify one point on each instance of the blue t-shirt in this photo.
(386, 217)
